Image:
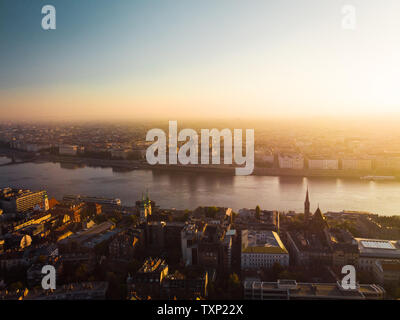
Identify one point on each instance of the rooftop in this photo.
(378, 248)
(262, 242)
(314, 290)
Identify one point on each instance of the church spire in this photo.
(307, 206)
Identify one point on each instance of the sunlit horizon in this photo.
(227, 60)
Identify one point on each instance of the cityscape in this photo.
(103, 248)
(185, 151)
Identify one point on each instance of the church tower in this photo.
(307, 214)
(145, 208)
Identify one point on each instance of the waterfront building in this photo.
(291, 161)
(19, 200)
(387, 163)
(356, 164)
(323, 164)
(68, 150)
(93, 200)
(121, 153)
(29, 147)
(264, 157)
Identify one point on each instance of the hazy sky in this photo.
(126, 59)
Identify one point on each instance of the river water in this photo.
(189, 190)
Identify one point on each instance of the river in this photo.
(189, 190)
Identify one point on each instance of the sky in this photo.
(172, 59)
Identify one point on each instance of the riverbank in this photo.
(130, 165)
(187, 190)
(127, 165)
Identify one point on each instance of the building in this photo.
(323, 164)
(178, 286)
(387, 163)
(18, 200)
(268, 220)
(387, 272)
(147, 281)
(307, 213)
(210, 244)
(311, 246)
(40, 218)
(73, 291)
(264, 157)
(34, 273)
(343, 246)
(261, 249)
(356, 164)
(155, 234)
(291, 290)
(125, 244)
(74, 209)
(373, 250)
(144, 208)
(93, 200)
(68, 150)
(14, 259)
(29, 147)
(227, 249)
(17, 241)
(292, 161)
(319, 245)
(86, 239)
(189, 237)
(173, 234)
(122, 154)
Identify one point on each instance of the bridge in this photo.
(15, 161)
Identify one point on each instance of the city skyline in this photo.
(134, 60)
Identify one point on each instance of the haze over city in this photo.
(208, 59)
(211, 152)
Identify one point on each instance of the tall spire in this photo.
(307, 206)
